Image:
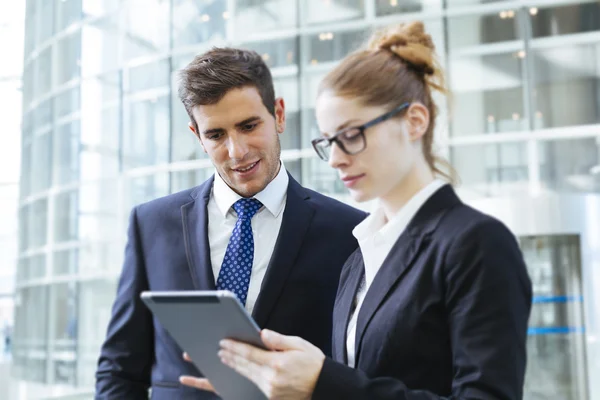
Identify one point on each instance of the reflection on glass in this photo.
(555, 347)
(98, 7)
(68, 59)
(95, 303)
(570, 165)
(199, 21)
(487, 94)
(97, 216)
(41, 169)
(146, 135)
(67, 12)
(63, 308)
(326, 11)
(489, 167)
(253, 16)
(66, 216)
(38, 221)
(472, 30)
(565, 20)
(333, 46)
(42, 116)
(65, 262)
(66, 153)
(100, 45)
(43, 74)
(145, 188)
(566, 86)
(45, 23)
(276, 53)
(142, 38)
(66, 103)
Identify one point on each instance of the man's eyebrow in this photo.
(247, 121)
(213, 131)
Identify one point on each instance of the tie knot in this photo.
(246, 208)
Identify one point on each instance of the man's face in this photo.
(241, 138)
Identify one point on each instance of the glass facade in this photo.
(103, 130)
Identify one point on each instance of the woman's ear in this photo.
(417, 118)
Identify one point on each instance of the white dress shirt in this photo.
(265, 227)
(376, 239)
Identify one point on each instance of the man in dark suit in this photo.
(298, 239)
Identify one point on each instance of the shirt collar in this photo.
(272, 197)
(375, 223)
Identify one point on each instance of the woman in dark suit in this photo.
(435, 303)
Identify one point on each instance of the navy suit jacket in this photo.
(168, 249)
(445, 317)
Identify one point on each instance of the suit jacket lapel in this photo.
(297, 217)
(195, 234)
(344, 308)
(402, 255)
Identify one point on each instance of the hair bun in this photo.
(409, 42)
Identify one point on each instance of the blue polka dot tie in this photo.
(239, 256)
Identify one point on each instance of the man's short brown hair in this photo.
(211, 75)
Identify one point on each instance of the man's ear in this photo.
(417, 117)
(191, 127)
(280, 115)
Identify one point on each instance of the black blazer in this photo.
(168, 249)
(445, 317)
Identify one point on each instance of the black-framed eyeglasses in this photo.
(351, 140)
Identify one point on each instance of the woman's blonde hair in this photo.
(398, 65)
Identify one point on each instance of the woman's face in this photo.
(392, 147)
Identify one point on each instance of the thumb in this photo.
(279, 342)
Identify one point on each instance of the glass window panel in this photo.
(472, 30)
(65, 262)
(100, 45)
(184, 144)
(66, 216)
(41, 163)
(199, 21)
(28, 83)
(67, 13)
(63, 308)
(67, 102)
(23, 227)
(146, 136)
(43, 68)
(391, 7)
(42, 115)
(35, 267)
(101, 115)
(95, 303)
(142, 189)
(276, 53)
(567, 86)
(487, 94)
(45, 21)
(332, 46)
(142, 38)
(182, 180)
(37, 223)
(319, 176)
(66, 153)
(570, 165)
(25, 181)
(31, 342)
(68, 62)
(491, 169)
(326, 11)
(252, 16)
(565, 20)
(148, 76)
(97, 218)
(31, 26)
(98, 7)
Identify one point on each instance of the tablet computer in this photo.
(197, 321)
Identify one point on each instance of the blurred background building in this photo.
(102, 130)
